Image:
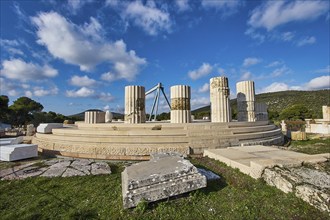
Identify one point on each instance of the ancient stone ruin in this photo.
(164, 176)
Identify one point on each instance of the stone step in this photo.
(123, 133)
(116, 139)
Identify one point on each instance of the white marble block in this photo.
(47, 128)
(18, 152)
(135, 104)
(219, 97)
(94, 117)
(246, 101)
(11, 141)
(180, 104)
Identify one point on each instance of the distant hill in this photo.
(277, 101)
(81, 115)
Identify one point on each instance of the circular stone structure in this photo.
(137, 141)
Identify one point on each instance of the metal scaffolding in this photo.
(158, 88)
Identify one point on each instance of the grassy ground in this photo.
(311, 146)
(235, 196)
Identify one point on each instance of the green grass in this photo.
(234, 196)
(311, 146)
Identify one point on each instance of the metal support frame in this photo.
(158, 88)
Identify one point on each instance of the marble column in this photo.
(180, 104)
(245, 101)
(326, 112)
(261, 111)
(219, 97)
(135, 104)
(93, 117)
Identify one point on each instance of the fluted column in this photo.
(135, 104)
(326, 113)
(93, 117)
(219, 97)
(180, 104)
(261, 111)
(245, 101)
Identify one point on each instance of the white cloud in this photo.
(325, 70)
(306, 41)
(151, 19)
(275, 87)
(204, 88)
(255, 35)
(287, 36)
(227, 6)
(246, 76)
(84, 45)
(322, 82)
(275, 13)
(280, 71)
(113, 3)
(274, 64)
(250, 61)
(203, 70)
(183, 5)
(108, 77)
(106, 108)
(75, 5)
(199, 102)
(82, 92)
(40, 91)
(81, 81)
(20, 70)
(106, 97)
(28, 94)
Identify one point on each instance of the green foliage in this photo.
(277, 101)
(311, 146)
(295, 112)
(4, 111)
(234, 196)
(23, 109)
(163, 116)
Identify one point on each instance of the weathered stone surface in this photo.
(11, 141)
(160, 178)
(72, 172)
(311, 185)
(99, 168)
(135, 104)
(219, 97)
(180, 104)
(57, 169)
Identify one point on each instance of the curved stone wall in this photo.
(138, 141)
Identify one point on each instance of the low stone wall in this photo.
(311, 185)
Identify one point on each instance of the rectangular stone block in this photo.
(47, 128)
(18, 152)
(159, 178)
(11, 141)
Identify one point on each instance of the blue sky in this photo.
(80, 54)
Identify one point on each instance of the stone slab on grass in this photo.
(18, 152)
(252, 160)
(159, 178)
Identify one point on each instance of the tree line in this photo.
(25, 111)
